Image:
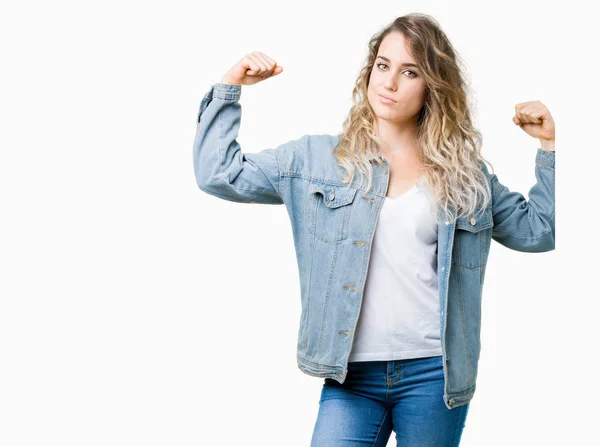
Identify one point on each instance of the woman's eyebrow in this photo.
(405, 64)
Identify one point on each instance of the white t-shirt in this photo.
(400, 316)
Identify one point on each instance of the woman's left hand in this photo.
(535, 119)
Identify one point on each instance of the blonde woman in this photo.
(392, 223)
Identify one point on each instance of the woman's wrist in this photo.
(229, 81)
(547, 145)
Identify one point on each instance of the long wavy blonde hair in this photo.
(449, 147)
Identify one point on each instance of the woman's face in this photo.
(403, 84)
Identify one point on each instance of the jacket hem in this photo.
(453, 400)
(319, 370)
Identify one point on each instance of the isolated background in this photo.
(137, 310)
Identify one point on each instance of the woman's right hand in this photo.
(251, 69)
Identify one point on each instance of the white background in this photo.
(136, 310)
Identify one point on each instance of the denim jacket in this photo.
(333, 226)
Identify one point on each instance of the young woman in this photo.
(391, 261)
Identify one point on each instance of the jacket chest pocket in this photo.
(328, 211)
(472, 238)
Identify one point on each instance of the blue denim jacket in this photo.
(333, 226)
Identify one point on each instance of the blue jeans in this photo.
(405, 396)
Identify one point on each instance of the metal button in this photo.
(473, 221)
(332, 195)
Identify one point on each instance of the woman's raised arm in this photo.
(521, 224)
(220, 167)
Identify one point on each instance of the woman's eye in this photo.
(413, 74)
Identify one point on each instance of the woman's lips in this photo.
(385, 100)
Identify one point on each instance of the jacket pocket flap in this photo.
(334, 196)
(477, 222)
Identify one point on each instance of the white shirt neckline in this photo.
(408, 191)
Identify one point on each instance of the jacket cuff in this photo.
(545, 158)
(227, 91)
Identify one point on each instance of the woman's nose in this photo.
(390, 84)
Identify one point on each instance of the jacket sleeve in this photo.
(521, 224)
(220, 167)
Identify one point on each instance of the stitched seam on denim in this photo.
(261, 170)
(327, 299)
(462, 394)
(380, 427)
(499, 192)
(463, 321)
(278, 172)
(481, 247)
(317, 365)
(526, 237)
(308, 298)
(226, 93)
(447, 261)
(544, 164)
(466, 267)
(324, 180)
(225, 96)
(545, 159)
(459, 423)
(221, 173)
(331, 183)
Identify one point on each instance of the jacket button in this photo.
(332, 195)
(473, 221)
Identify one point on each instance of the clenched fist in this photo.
(251, 69)
(535, 119)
